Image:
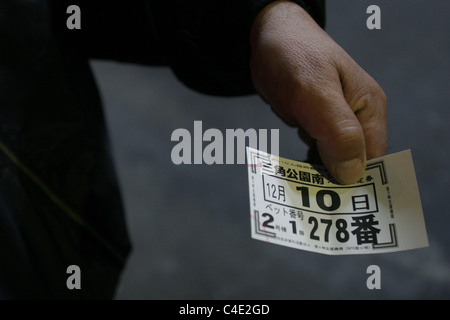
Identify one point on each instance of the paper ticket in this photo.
(298, 205)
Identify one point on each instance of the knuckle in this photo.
(377, 96)
(347, 131)
(344, 134)
(372, 98)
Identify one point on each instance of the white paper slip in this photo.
(297, 205)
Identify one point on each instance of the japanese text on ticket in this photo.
(298, 205)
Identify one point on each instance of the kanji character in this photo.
(360, 202)
(279, 170)
(365, 231)
(291, 173)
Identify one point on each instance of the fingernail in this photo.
(349, 172)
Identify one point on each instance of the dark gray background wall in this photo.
(190, 225)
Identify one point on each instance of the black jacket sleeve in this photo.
(207, 41)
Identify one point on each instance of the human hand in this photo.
(313, 84)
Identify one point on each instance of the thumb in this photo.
(343, 151)
(338, 135)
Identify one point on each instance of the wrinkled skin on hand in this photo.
(313, 84)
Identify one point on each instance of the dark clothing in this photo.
(205, 42)
(60, 203)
